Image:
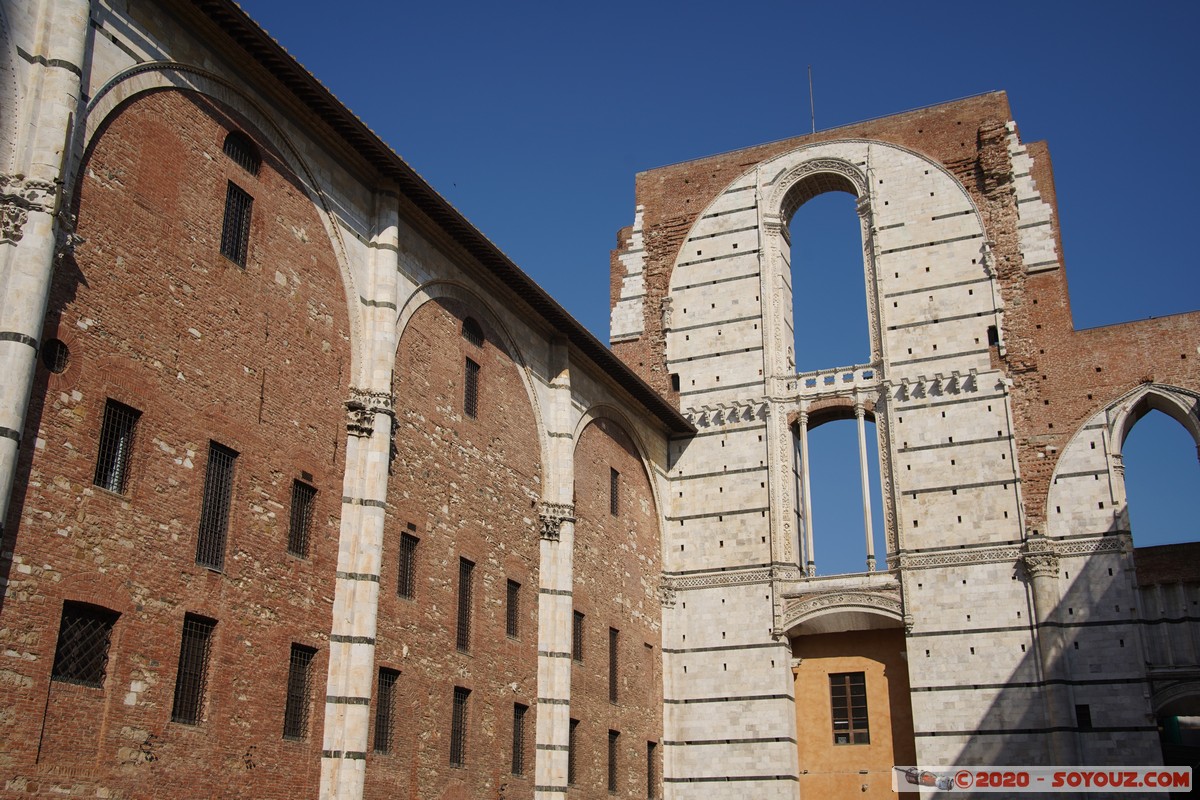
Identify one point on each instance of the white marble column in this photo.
(859, 413)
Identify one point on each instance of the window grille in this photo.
(116, 446)
(848, 694)
(613, 738)
(235, 231)
(471, 389)
(299, 692)
(300, 522)
(512, 622)
(472, 332)
(577, 637)
(572, 752)
(613, 639)
(242, 151)
(466, 574)
(458, 728)
(55, 355)
(192, 676)
(518, 742)
(614, 492)
(84, 634)
(214, 510)
(385, 709)
(651, 770)
(406, 583)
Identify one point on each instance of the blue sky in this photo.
(533, 118)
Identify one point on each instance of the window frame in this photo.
(235, 227)
(518, 738)
(191, 674)
(458, 727)
(216, 502)
(71, 658)
(466, 592)
(471, 370)
(114, 454)
(577, 622)
(614, 747)
(297, 708)
(847, 687)
(614, 655)
(406, 568)
(385, 709)
(304, 501)
(512, 610)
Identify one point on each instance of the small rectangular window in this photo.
(385, 709)
(116, 446)
(84, 634)
(406, 582)
(299, 692)
(518, 739)
(651, 770)
(466, 574)
(235, 231)
(214, 510)
(614, 492)
(471, 389)
(613, 738)
(191, 678)
(613, 647)
(458, 728)
(512, 616)
(572, 751)
(1083, 717)
(577, 637)
(848, 697)
(300, 522)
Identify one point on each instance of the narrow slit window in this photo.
(406, 584)
(577, 637)
(848, 697)
(614, 492)
(651, 769)
(116, 446)
(214, 510)
(235, 231)
(191, 679)
(614, 637)
(84, 635)
(458, 728)
(299, 692)
(385, 710)
(572, 752)
(466, 576)
(471, 389)
(512, 615)
(613, 740)
(518, 739)
(300, 522)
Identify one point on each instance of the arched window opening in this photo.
(829, 305)
(472, 332)
(242, 151)
(838, 524)
(1162, 477)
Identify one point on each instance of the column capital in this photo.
(362, 407)
(1040, 557)
(552, 516)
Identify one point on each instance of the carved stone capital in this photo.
(362, 407)
(666, 592)
(909, 624)
(12, 223)
(1040, 557)
(552, 516)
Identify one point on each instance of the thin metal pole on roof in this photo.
(812, 109)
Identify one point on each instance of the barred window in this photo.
(242, 152)
(572, 752)
(466, 575)
(299, 692)
(512, 621)
(235, 231)
(613, 739)
(406, 582)
(472, 332)
(471, 389)
(116, 446)
(518, 740)
(614, 492)
(191, 678)
(300, 523)
(84, 634)
(56, 356)
(613, 641)
(458, 728)
(651, 770)
(848, 695)
(385, 710)
(577, 636)
(214, 509)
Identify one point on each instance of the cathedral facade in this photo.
(307, 490)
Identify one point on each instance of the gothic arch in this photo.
(842, 611)
(612, 413)
(1180, 405)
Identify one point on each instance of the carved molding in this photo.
(18, 197)
(958, 558)
(1040, 557)
(552, 516)
(727, 414)
(758, 575)
(797, 611)
(362, 407)
(666, 592)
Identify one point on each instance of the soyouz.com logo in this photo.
(1013, 780)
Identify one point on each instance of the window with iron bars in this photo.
(56, 356)
(577, 636)
(214, 509)
(466, 575)
(472, 332)
(613, 739)
(614, 492)
(572, 752)
(848, 697)
(299, 692)
(242, 151)
(191, 678)
(512, 615)
(471, 389)
(518, 739)
(458, 728)
(84, 635)
(385, 709)
(614, 636)
(235, 230)
(300, 522)
(116, 446)
(651, 770)
(406, 580)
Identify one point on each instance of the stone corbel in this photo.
(362, 407)
(552, 516)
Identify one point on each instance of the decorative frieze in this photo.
(552, 516)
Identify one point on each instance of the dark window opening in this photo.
(472, 332)
(993, 336)
(242, 152)
(191, 679)
(385, 709)
(406, 583)
(512, 620)
(300, 522)
(613, 739)
(458, 728)
(466, 574)
(572, 752)
(299, 692)
(235, 231)
(651, 770)
(55, 356)
(214, 510)
(116, 446)
(675, 381)
(577, 637)
(614, 492)
(848, 696)
(1083, 717)
(471, 389)
(84, 635)
(613, 641)
(518, 739)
